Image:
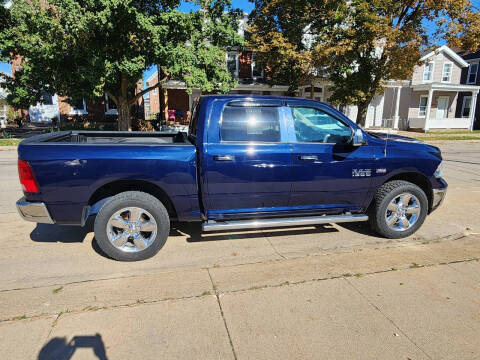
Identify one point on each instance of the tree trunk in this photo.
(362, 113)
(123, 105)
(124, 121)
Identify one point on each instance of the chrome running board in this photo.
(212, 225)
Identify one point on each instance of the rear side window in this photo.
(192, 129)
(250, 123)
(314, 125)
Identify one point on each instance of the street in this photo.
(330, 292)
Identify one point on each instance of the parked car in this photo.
(246, 162)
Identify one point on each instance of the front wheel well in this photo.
(418, 179)
(117, 187)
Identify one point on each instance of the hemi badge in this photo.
(381, 171)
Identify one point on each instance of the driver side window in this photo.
(314, 125)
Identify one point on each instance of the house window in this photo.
(447, 72)
(428, 72)
(154, 91)
(111, 107)
(472, 73)
(47, 99)
(78, 107)
(422, 108)
(467, 104)
(257, 69)
(232, 63)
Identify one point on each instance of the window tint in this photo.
(313, 125)
(254, 123)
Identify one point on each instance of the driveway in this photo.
(339, 291)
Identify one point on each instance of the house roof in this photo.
(449, 52)
(469, 55)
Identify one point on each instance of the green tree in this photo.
(371, 41)
(88, 48)
(277, 34)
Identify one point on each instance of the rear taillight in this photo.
(27, 179)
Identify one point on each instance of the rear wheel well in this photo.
(418, 179)
(117, 187)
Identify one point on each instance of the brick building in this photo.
(241, 64)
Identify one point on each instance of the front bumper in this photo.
(438, 195)
(34, 211)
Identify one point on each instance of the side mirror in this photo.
(357, 138)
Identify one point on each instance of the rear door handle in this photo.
(308, 157)
(223, 157)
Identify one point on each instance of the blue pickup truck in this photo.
(246, 162)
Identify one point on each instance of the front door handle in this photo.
(308, 157)
(223, 157)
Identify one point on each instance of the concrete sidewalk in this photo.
(408, 301)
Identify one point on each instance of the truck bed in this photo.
(110, 138)
(72, 167)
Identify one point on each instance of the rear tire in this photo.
(398, 210)
(132, 226)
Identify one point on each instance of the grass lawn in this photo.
(443, 135)
(9, 142)
(453, 132)
(446, 137)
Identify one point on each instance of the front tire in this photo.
(132, 226)
(399, 209)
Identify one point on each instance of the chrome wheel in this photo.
(402, 212)
(131, 229)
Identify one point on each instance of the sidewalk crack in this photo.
(386, 317)
(273, 247)
(222, 314)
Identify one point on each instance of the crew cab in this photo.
(246, 162)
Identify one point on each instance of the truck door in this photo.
(329, 173)
(248, 160)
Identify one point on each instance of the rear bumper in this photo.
(34, 211)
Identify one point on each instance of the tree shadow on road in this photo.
(193, 231)
(59, 349)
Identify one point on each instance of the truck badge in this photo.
(361, 172)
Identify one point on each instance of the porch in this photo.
(433, 106)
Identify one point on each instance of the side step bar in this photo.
(212, 225)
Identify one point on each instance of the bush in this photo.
(11, 115)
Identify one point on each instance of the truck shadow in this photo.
(361, 227)
(59, 348)
(63, 233)
(194, 233)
